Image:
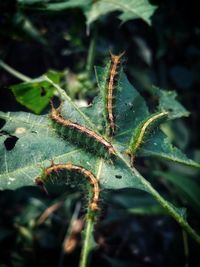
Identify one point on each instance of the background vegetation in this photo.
(70, 37)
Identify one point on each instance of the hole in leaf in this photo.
(118, 176)
(4, 133)
(129, 105)
(10, 142)
(42, 92)
(170, 109)
(2, 123)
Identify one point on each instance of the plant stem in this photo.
(170, 209)
(91, 54)
(14, 72)
(89, 227)
(167, 206)
(87, 240)
(63, 96)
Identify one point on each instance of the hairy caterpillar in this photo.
(113, 75)
(91, 139)
(55, 168)
(140, 132)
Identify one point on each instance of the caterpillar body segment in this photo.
(110, 92)
(81, 134)
(141, 132)
(69, 167)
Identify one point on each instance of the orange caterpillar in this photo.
(115, 63)
(106, 146)
(54, 168)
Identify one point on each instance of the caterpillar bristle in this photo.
(111, 88)
(80, 134)
(77, 169)
(140, 133)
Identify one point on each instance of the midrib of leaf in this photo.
(42, 162)
(183, 223)
(64, 96)
(99, 168)
(123, 133)
(125, 7)
(89, 225)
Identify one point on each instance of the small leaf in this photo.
(158, 145)
(35, 95)
(56, 6)
(131, 9)
(168, 102)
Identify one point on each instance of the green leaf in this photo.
(168, 102)
(56, 6)
(131, 9)
(35, 94)
(38, 140)
(31, 2)
(158, 145)
(131, 110)
(187, 185)
(38, 144)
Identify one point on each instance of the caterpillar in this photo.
(55, 168)
(113, 75)
(139, 134)
(71, 130)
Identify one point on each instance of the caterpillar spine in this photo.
(101, 143)
(113, 75)
(140, 132)
(55, 168)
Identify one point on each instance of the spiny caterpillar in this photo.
(55, 168)
(76, 133)
(113, 76)
(140, 132)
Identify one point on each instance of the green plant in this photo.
(38, 142)
(61, 156)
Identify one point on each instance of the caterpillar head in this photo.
(94, 206)
(40, 183)
(116, 58)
